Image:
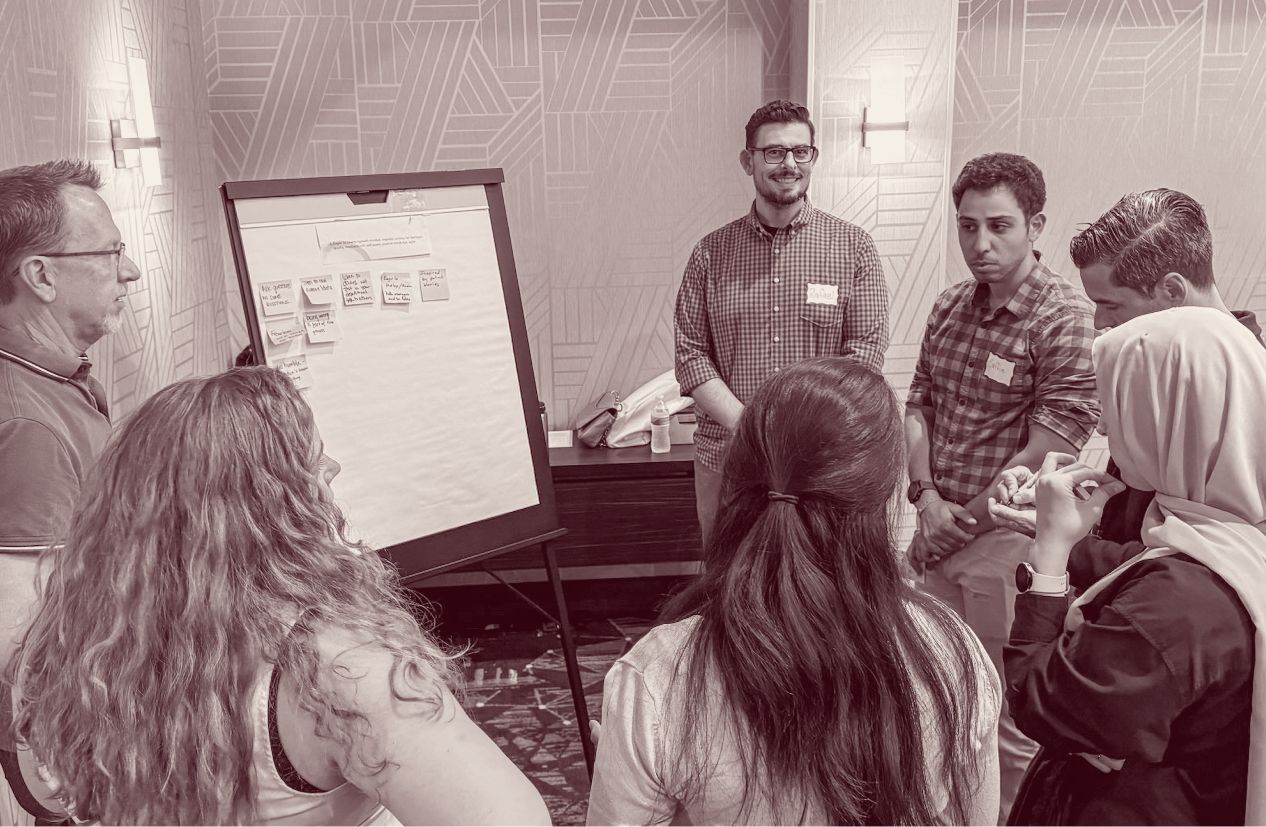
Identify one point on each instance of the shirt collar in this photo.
(803, 217)
(1025, 297)
(54, 363)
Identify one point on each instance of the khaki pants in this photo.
(978, 582)
(707, 498)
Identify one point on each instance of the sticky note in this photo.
(285, 331)
(356, 289)
(433, 284)
(296, 367)
(397, 288)
(321, 326)
(318, 289)
(278, 297)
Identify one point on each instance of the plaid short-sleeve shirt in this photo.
(987, 374)
(752, 302)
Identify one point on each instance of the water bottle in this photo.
(660, 442)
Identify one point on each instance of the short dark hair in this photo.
(32, 213)
(985, 173)
(778, 111)
(1146, 235)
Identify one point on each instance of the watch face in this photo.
(915, 490)
(1023, 578)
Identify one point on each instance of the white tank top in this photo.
(279, 803)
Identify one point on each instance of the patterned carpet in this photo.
(516, 689)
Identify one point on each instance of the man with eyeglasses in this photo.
(63, 281)
(784, 283)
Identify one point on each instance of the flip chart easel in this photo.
(393, 303)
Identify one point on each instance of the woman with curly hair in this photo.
(211, 649)
(800, 679)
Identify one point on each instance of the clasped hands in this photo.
(942, 531)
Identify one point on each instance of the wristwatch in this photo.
(916, 489)
(1028, 580)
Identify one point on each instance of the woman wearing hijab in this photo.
(1141, 690)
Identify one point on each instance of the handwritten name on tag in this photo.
(999, 369)
(823, 294)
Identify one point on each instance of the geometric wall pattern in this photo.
(63, 76)
(617, 122)
(1112, 96)
(903, 206)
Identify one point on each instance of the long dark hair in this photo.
(807, 624)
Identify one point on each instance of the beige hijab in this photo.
(1184, 405)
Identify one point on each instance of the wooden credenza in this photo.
(628, 512)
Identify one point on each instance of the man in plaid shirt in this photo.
(784, 283)
(1004, 376)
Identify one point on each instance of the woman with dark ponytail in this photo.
(800, 678)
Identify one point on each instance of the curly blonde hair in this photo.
(202, 550)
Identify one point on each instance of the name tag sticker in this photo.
(823, 294)
(999, 369)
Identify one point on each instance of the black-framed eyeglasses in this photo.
(118, 252)
(776, 154)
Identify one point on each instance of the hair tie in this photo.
(779, 497)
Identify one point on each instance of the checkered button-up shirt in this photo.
(987, 374)
(752, 302)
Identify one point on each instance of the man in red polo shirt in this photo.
(63, 281)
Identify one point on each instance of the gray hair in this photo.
(32, 213)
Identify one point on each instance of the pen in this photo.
(1082, 491)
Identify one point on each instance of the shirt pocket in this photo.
(821, 324)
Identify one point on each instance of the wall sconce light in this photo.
(884, 121)
(136, 142)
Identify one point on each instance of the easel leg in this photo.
(569, 657)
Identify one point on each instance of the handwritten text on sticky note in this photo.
(296, 367)
(278, 297)
(321, 326)
(356, 289)
(318, 289)
(397, 288)
(433, 284)
(284, 332)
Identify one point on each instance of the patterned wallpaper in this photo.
(902, 205)
(618, 124)
(1109, 96)
(63, 76)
